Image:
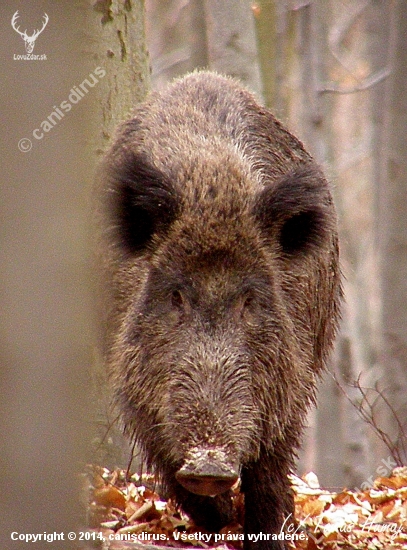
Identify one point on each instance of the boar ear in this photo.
(142, 202)
(296, 212)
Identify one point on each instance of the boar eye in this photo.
(176, 299)
(248, 301)
(244, 305)
(300, 231)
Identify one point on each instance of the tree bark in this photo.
(45, 300)
(392, 230)
(115, 40)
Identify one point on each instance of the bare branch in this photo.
(401, 438)
(338, 32)
(367, 83)
(366, 411)
(336, 37)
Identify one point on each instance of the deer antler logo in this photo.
(29, 40)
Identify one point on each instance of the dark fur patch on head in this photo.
(143, 203)
(296, 211)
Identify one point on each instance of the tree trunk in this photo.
(44, 302)
(231, 40)
(392, 229)
(115, 40)
(221, 36)
(176, 34)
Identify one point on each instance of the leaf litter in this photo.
(131, 509)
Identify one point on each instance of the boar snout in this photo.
(207, 472)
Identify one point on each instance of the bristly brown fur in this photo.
(222, 290)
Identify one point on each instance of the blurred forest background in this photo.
(335, 72)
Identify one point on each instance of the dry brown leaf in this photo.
(110, 497)
(313, 507)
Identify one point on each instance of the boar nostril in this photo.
(205, 485)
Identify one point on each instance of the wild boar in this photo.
(219, 254)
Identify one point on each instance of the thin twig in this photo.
(368, 416)
(368, 82)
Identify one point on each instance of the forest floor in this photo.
(126, 512)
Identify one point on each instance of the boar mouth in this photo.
(207, 472)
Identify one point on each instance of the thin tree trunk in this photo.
(176, 34)
(231, 39)
(392, 228)
(267, 20)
